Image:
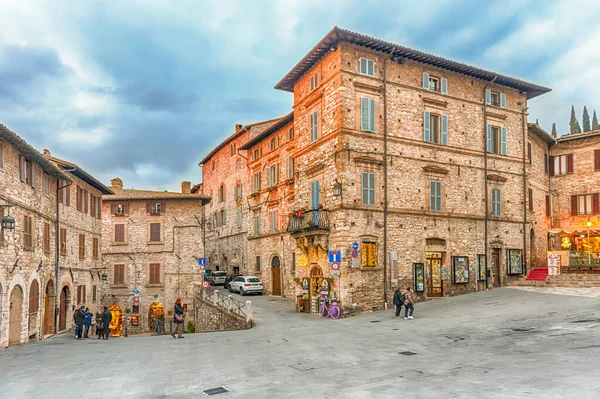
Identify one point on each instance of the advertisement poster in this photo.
(514, 259)
(419, 277)
(460, 269)
(482, 266)
(553, 264)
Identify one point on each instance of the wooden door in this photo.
(64, 299)
(496, 266)
(16, 316)
(433, 269)
(275, 276)
(49, 309)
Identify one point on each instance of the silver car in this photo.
(246, 285)
(217, 278)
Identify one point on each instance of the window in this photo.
(434, 83)
(120, 233)
(94, 293)
(217, 218)
(81, 294)
(315, 194)
(273, 219)
(237, 192)
(293, 262)
(496, 203)
(273, 175)
(81, 246)
(154, 208)
(314, 126)
(496, 139)
(314, 82)
(28, 232)
(290, 134)
(34, 297)
(367, 183)
(529, 153)
(256, 225)
(154, 273)
(289, 168)
(257, 153)
(95, 247)
(274, 144)
(64, 195)
(258, 263)
(367, 66)
(256, 182)
(546, 163)
(530, 198)
(82, 200)
(238, 165)
(232, 149)
(435, 128)
(548, 206)
(119, 209)
(585, 204)
(119, 274)
(222, 193)
(26, 171)
(63, 242)
(435, 196)
(596, 159)
(155, 232)
(222, 217)
(239, 217)
(367, 114)
(95, 207)
(369, 254)
(494, 98)
(46, 184)
(561, 165)
(47, 237)
(213, 164)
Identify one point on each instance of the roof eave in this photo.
(285, 120)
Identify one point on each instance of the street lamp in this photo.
(337, 189)
(8, 222)
(589, 224)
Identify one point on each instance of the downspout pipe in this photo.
(385, 182)
(525, 196)
(485, 185)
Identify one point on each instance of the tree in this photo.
(574, 123)
(554, 130)
(586, 120)
(595, 125)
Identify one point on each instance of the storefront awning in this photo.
(559, 231)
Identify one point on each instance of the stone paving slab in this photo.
(590, 292)
(506, 343)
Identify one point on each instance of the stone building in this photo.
(36, 192)
(152, 240)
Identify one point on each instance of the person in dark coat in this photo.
(87, 323)
(178, 319)
(398, 301)
(106, 319)
(80, 321)
(99, 324)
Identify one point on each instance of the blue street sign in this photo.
(335, 256)
(202, 261)
(355, 246)
(136, 292)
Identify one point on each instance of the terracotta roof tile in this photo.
(131, 194)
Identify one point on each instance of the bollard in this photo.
(249, 313)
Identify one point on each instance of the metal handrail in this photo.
(313, 219)
(225, 301)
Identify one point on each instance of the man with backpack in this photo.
(398, 301)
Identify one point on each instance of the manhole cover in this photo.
(407, 353)
(215, 391)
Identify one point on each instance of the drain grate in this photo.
(215, 391)
(375, 321)
(407, 353)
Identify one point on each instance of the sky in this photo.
(143, 90)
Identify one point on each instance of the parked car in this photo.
(229, 279)
(246, 284)
(217, 278)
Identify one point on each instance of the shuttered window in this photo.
(587, 204)
(81, 246)
(548, 206)
(368, 188)
(28, 232)
(63, 241)
(435, 196)
(155, 232)
(561, 165)
(367, 114)
(64, 195)
(256, 182)
(258, 263)
(289, 168)
(47, 237)
(433, 83)
(366, 67)
(154, 273)
(368, 254)
(94, 293)
(119, 233)
(119, 274)
(435, 128)
(496, 140)
(273, 217)
(496, 203)
(273, 175)
(314, 126)
(314, 81)
(95, 249)
(256, 224)
(530, 198)
(529, 153)
(596, 159)
(34, 297)
(546, 163)
(81, 294)
(315, 194)
(494, 98)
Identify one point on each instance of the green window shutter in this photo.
(425, 80)
(502, 100)
(365, 188)
(488, 96)
(364, 114)
(444, 84)
(371, 188)
(363, 66)
(426, 129)
(315, 194)
(503, 141)
(488, 136)
(444, 129)
(432, 188)
(370, 67)
(498, 207)
(371, 115)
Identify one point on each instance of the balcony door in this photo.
(315, 200)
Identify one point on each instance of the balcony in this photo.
(311, 222)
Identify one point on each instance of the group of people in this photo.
(83, 321)
(407, 298)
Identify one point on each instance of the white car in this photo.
(245, 285)
(217, 278)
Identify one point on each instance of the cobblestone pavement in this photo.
(590, 292)
(505, 343)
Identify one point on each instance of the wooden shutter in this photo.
(502, 100)
(126, 209)
(68, 195)
(530, 198)
(22, 175)
(595, 204)
(113, 208)
(488, 96)
(119, 233)
(503, 144)
(426, 127)
(154, 273)
(548, 210)
(444, 87)
(596, 159)
(78, 197)
(148, 207)
(92, 205)
(569, 163)
(573, 205)
(119, 274)
(155, 232)
(365, 188)
(551, 165)
(425, 80)
(444, 129)
(33, 171)
(34, 297)
(488, 138)
(60, 195)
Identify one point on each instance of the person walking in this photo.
(178, 319)
(409, 301)
(398, 301)
(106, 319)
(99, 324)
(159, 324)
(87, 323)
(80, 321)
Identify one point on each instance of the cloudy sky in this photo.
(144, 89)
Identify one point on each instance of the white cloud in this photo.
(94, 137)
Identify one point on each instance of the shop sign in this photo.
(553, 264)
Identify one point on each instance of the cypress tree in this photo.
(586, 120)
(595, 125)
(574, 123)
(554, 130)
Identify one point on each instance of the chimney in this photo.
(186, 187)
(116, 183)
(238, 127)
(47, 152)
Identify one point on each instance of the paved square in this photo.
(498, 344)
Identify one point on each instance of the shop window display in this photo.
(514, 259)
(156, 312)
(117, 321)
(460, 269)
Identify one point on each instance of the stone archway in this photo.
(49, 296)
(65, 299)
(15, 324)
(275, 276)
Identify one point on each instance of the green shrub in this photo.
(191, 327)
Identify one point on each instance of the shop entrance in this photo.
(64, 305)
(433, 270)
(16, 316)
(116, 322)
(48, 327)
(496, 267)
(316, 279)
(156, 312)
(276, 276)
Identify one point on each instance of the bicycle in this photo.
(332, 310)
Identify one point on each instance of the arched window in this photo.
(34, 297)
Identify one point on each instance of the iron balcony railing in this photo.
(307, 221)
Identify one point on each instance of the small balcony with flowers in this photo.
(310, 226)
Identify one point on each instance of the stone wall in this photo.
(211, 317)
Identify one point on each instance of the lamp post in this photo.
(589, 224)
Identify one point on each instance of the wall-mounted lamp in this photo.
(337, 189)
(104, 276)
(8, 222)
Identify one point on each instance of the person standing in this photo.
(80, 321)
(106, 319)
(398, 301)
(87, 323)
(178, 319)
(99, 324)
(409, 301)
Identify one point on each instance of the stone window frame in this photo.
(496, 203)
(364, 62)
(161, 233)
(314, 81)
(161, 274)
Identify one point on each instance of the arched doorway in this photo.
(117, 320)
(531, 250)
(276, 276)
(155, 312)
(64, 307)
(48, 327)
(34, 308)
(16, 316)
